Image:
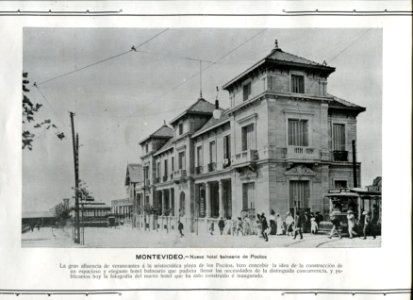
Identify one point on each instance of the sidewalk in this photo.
(126, 237)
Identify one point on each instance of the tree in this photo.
(30, 109)
(61, 212)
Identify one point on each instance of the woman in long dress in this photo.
(280, 225)
(289, 220)
(273, 226)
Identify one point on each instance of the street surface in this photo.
(126, 237)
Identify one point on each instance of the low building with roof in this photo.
(281, 145)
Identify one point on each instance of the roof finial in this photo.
(164, 122)
(276, 45)
(324, 63)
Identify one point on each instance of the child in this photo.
(314, 225)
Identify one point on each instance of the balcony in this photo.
(180, 175)
(147, 182)
(212, 167)
(199, 170)
(302, 153)
(157, 180)
(165, 178)
(245, 158)
(340, 155)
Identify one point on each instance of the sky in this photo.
(122, 100)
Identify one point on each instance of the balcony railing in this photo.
(212, 166)
(340, 155)
(247, 156)
(302, 153)
(180, 174)
(199, 170)
(147, 182)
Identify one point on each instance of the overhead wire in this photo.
(212, 63)
(133, 49)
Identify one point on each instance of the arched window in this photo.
(182, 204)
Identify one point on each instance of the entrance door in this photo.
(299, 194)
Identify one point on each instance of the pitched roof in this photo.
(200, 107)
(277, 56)
(212, 123)
(167, 145)
(162, 132)
(338, 103)
(37, 214)
(134, 173)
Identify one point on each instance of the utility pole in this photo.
(353, 144)
(76, 165)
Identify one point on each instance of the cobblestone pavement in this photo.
(125, 236)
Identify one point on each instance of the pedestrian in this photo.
(314, 225)
(234, 227)
(180, 228)
(38, 226)
(264, 227)
(228, 226)
(298, 225)
(368, 225)
(351, 220)
(221, 225)
(280, 225)
(211, 228)
(336, 225)
(289, 221)
(258, 225)
(246, 225)
(239, 227)
(273, 225)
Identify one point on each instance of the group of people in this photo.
(275, 225)
(367, 223)
(291, 225)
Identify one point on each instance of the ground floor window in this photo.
(201, 203)
(214, 200)
(299, 194)
(182, 204)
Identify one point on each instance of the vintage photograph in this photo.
(202, 137)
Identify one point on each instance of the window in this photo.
(202, 204)
(212, 152)
(248, 137)
(172, 163)
(181, 160)
(339, 137)
(340, 184)
(297, 132)
(248, 196)
(165, 168)
(158, 169)
(246, 91)
(199, 158)
(146, 148)
(297, 84)
(181, 128)
(227, 146)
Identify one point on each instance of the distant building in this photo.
(376, 185)
(43, 218)
(282, 144)
(122, 208)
